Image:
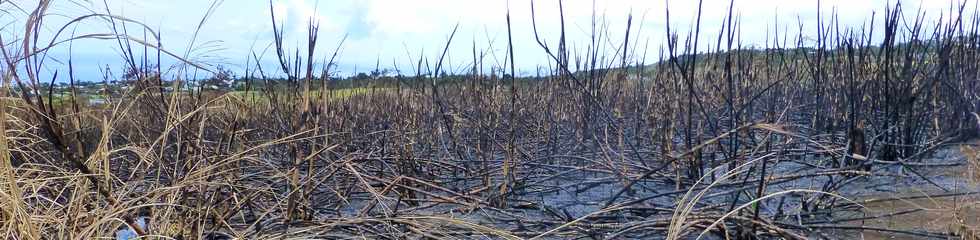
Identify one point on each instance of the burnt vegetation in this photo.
(716, 141)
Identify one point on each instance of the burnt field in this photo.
(854, 133)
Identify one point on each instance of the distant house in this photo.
(96, 102)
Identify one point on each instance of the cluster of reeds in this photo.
(724, 139)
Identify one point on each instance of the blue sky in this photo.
(395, 33)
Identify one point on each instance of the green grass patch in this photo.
(332, 94)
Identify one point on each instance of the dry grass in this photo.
(731, 143)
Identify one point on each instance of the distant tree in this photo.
(133, 74)
(361, 76)
(378, 73)
(239, 84)
(221, 79)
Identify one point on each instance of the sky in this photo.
(394, 34)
